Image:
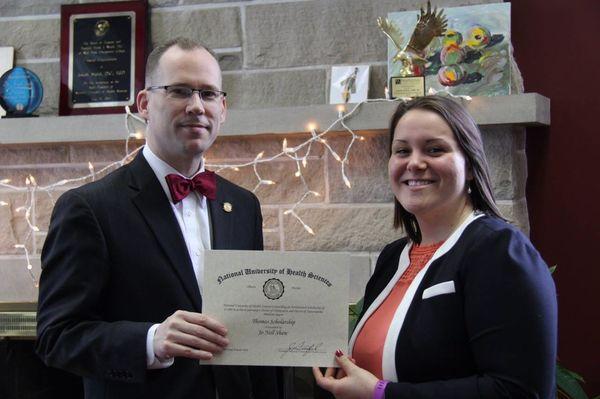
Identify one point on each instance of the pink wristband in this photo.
(379, 392)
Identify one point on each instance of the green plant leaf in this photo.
(568, 381)
(354, 310)
(570, 372)
(552, 269)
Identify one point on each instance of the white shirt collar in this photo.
(161, 169)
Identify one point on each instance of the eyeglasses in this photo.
(179, 92)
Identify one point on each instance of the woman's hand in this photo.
(348, 382)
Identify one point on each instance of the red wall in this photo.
(557, 46)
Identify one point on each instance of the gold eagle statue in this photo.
(412, 57)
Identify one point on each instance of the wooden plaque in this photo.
(102, 56)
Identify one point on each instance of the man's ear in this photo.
(142, 103)
(223, 110)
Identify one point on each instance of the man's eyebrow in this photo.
(205, 86)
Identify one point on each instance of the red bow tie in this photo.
(204, 183)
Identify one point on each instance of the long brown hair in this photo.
(468, 137)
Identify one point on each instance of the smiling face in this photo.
(179, 131)
(427, 169)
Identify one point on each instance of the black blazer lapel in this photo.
(154, 207)
(387, 265)
(220, 220)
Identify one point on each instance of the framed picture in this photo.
(102, 56)
(349, 84)
(472, 58)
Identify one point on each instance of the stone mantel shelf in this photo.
(529, 109)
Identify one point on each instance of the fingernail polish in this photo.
(339, 353)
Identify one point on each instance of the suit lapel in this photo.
(154, 207)
(221, 221)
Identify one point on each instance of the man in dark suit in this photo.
(120, 299)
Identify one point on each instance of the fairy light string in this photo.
(135, 127)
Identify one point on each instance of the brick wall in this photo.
(357, 219)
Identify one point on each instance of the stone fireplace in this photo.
(357, 220)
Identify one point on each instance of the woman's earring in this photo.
(469, 189)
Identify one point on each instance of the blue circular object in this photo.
(21, 91)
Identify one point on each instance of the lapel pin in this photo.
(227, 207)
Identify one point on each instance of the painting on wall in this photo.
(471, 58)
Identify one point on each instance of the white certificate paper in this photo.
(280, 308)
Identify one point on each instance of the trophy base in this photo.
(407, 87)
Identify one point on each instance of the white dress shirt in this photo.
(192, 215)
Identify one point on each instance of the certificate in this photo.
(280, 308)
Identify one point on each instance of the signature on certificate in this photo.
(301, 347)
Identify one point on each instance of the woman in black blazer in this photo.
(464, 306)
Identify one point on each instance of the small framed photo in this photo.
(349, 84)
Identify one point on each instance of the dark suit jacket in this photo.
(494, 337)
(114, 263)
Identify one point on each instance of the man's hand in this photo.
(191, 335)
(349, 382)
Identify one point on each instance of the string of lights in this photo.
(300, 154)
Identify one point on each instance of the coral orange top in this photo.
(368, 347)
